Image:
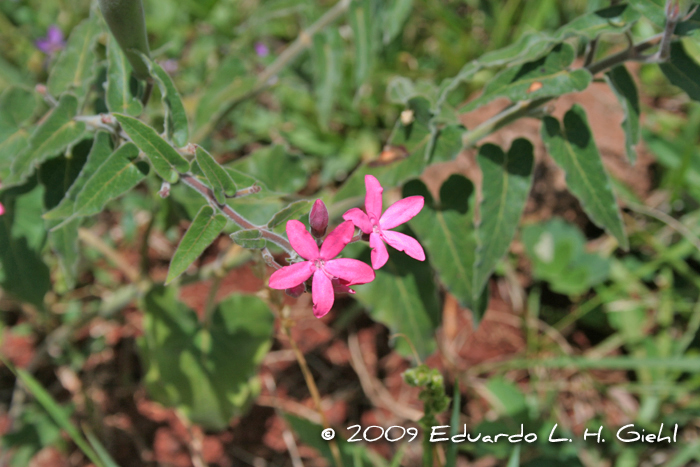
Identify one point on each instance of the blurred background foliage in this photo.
(580, 297)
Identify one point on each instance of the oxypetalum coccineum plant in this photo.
(93, 139)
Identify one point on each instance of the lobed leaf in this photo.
(117, 175)
(682, 71)
(445, 228)
(507, 178)
(118, 92)
(204, 229)
(546, 77)
(55, 134)
(176, 126)
(75, 67)
(166, 161)
(574, 150)
(206, 371)
(625, 89)
(220, 181)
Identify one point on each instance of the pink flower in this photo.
(377, 225)
(321, 265)
(2, 209)
(53, 42)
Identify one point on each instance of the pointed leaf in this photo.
(56, 133)
(117, 175)
(166, 161)
(99, 152)
(446, 231)
(328, 68)
(361, 22)
(220, 181)
(75, 68)
(575, 151)
(293, 211)
(506, 183)
(202, 232)
(652, 9)
(403, 296)
(207, 372)
(625, 89)
(682, 71)
(394, 15)
(615, 19)
(176, 126)
(549, 75)
(17, 105)
(250, 238)
(118, 91)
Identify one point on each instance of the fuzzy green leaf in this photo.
(118, 92)
(220, 181)
(614, 19)
(117, 175)
(204, 229)
(328, 67)
(362, 24)
(625, 89)
(166, 161)
(293, 211)
(547, 77)
(75, 68)
(394, 16)
(652, 9)
(250, 238)
(206, 371)
(55, 134)
(176, 126)
(507, 178)
(575, 151)
(445, 228)
(682, 71)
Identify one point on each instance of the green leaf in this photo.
(220, 181)
(394, 15)
(293, 211)
(118, 92)
(529, 47)
(361, 22)
(206, 371)
(275, 168)
(514, 459)
(166, 161)
(55, 134)
(625, 89)
(24, 273)
(64, 243)
(506, 183)
(550, 75)
(117, 175)
(100, 151)
(58, 415)
(176, 126)
(250, 238)
(614, 20)
(652, 9)
(575, 151)
(328, 68)
(445, 228)
(689, 26)
(558, 255)
(403, 297)
(204, 229)
(17, 105)
(11, 148)
(451, 458)
(682, 71)
(75, 67)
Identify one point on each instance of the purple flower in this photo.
(53, 42)
(261, 49)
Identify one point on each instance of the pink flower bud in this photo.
(318, 219)
(2, 209)
(296, 291)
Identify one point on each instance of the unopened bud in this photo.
(164, 190)
(296, 291)
(318, 219)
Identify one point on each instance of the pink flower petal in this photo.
(2, 209)
(401, 211)
(379, 254)
(341, 287)
(301, 240)
(359, 218)
(322, 294)
(351, 271)
(336, 240)
(292, 275)
(404, 243)
(373, 197)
